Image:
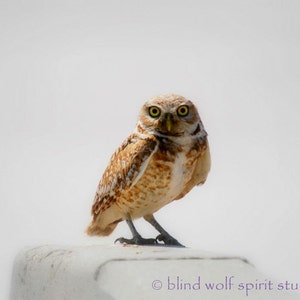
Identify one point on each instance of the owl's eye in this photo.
(183, 110)
(154, 111)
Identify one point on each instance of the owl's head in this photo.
(170, 115)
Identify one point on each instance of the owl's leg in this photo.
(137, 239)
(164, 235)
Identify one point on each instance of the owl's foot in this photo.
(137, 240)
(164, 235)
(168, 240)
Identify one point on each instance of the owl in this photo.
(166, 156)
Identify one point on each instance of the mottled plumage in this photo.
(166, 156)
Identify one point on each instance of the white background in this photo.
(73, 76)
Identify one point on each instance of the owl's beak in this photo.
(169, 122)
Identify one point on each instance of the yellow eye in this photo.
(154, 111)
(183, 110)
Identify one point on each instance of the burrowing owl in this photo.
(166, 156)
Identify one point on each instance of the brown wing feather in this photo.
(203, 166)
(123, 169)
(201, 169)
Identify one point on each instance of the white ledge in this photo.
(137, 272)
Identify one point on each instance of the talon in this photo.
(122, 240)
(168, 240)
(137, 240)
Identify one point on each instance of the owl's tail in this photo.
(95, 229)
